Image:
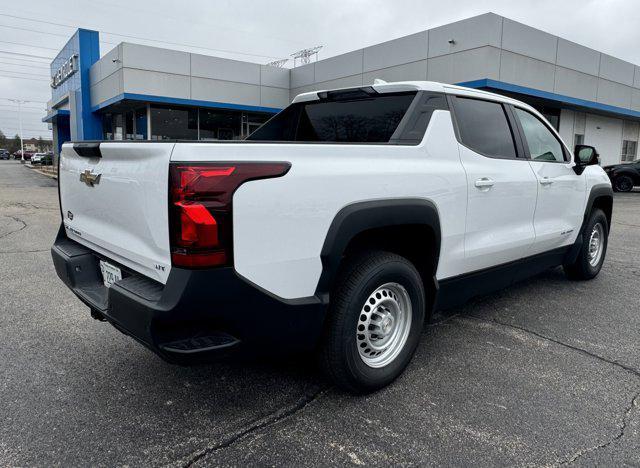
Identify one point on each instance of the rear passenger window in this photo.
(484, 127)
(369, 119)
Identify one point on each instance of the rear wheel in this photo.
(594, 248)
(375, 321)
(623, 183)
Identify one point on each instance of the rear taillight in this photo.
(200, 211)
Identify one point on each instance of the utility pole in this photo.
(20, 102)
(304, 55)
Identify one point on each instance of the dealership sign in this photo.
(68, 68)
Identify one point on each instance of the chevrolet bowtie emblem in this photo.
(90, 179)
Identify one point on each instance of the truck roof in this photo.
(400, 86)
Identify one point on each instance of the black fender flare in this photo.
(597, 191)
(359, 217)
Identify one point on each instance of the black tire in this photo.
(359, 278)
(623, 183)
(582, 268)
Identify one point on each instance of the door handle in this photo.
(546, 181)
(484, 183)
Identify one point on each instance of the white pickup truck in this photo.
(337, 227)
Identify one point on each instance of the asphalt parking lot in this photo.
(545, 373)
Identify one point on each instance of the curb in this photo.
(51, 175)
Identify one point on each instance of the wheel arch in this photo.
(381, 223)
(600, 197)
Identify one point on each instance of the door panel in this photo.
(560, 206)
(561, 192)
(501, 205)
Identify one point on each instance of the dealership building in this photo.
(137, 92)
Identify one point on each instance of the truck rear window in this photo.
(373, 119)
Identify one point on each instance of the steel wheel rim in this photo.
(596, 244)
(383, 325)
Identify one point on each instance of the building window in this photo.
(174, 123)
(252, 121)
(129, 129)
(578, 139)
(107, 126)
(552, 115)
(220, 125)
(118, 127)
(127, 125)
(180, 123)
(141, 123)
(629, 149)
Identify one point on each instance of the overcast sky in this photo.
(271, 29)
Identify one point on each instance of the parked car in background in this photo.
(624, 176)
(4, 154)
(47, 159)
(27, 155)
(37, 158)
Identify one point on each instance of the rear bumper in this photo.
(197, 314)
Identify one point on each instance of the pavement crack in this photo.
(627, 414)
(623, 427)
(629, 369)
(276, 416)
(23, 251)
(17, 220)
(626, 224)
(437, 321)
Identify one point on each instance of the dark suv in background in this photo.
(4, 154)
(624, 176)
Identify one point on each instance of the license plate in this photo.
(110, 273)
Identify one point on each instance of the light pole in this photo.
(20, 102)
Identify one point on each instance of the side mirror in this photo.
(585, 156)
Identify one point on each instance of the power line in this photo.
(21, 78)
(228, 51)
(28, 127)
(33, 30)
(24, 65)
(29, 45)
(31, 111)
(8, 113)
(26, 55)
(25, 73)
(14, 106)
(12, 127)
(28, 100)
(24, 107)
(45, 32)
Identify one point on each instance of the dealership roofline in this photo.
(182, 102)
(581, 104)
(487, 83)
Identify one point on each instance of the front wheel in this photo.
(594, 248)
(374, 323)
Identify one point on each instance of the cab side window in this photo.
(543, 145)
(484, 128)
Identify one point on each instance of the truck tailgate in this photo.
(116, 204)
